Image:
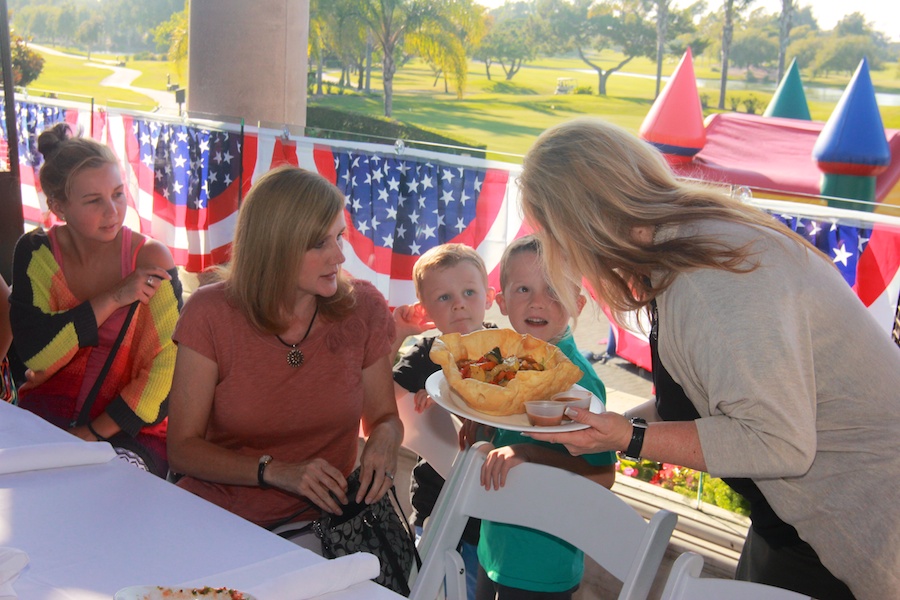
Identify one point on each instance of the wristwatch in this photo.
(638, 427)
(264, 461)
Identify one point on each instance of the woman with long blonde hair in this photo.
(280, 361)
(768, 369)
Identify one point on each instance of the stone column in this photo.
(249, 59)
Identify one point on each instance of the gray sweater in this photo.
(798, 388)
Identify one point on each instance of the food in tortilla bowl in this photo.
(496, 371)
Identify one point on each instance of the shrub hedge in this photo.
(331, 123)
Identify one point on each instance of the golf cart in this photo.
(565, 85)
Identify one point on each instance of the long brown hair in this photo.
(286, 213)
(588, 185)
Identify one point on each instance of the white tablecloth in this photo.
(94, 529)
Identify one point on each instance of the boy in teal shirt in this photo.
(518, 563)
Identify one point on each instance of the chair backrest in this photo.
(684, 583)
(563, 504)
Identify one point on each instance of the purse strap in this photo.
(412, 534)
(85, 413)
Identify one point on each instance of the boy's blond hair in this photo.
(443, 257)
(526, 243)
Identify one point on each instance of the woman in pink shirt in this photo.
(280, 361)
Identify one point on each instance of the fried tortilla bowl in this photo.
(558, 375)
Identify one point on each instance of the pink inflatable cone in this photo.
(675, 121)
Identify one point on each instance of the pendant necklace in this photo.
(294, 355)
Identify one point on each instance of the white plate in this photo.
(154, 592)
(437, 387)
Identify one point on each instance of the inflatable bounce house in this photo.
(851, 161)
(837, 182)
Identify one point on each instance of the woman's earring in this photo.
(56, 209)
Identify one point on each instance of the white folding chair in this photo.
(684, 583)
(568, 506)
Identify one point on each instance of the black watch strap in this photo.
(638, 427)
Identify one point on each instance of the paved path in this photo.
(121, 77)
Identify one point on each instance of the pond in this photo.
(813, 93)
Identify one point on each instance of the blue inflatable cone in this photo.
(852, 148)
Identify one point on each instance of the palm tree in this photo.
(317, 35)
(785, 22)
(662, 21)
(446, 44)
(391, 20)
(174, 34)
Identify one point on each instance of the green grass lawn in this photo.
(156, 74)
(504, 115)
(74, 79)
(508, 115)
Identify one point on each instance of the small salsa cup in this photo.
(578, 398)
(545, 413)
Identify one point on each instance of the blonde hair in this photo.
(588, 184)
(526, 243)
(287, 212)
(65, 156)
(443, 257)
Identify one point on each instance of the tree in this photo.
(852, 24)
(445, 43)
(389, 21)
(26, 63)
(172, 36)
(662, 23)
(753, 48)
(670, 22)
(731, 9)
(805, 47)
(318, 26)
(511, 43)
(69, 18)
(129, 23)
(90, 32)
(844, 53)
(785, 22)
(39, 22)
(588, 28)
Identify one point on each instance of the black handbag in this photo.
(374, 528)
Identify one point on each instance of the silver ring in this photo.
(389, 475)
(150, 281)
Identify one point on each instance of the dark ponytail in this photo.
(49, 140)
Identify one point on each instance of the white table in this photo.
(92, 530)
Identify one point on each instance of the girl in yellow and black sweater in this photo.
(73, 287)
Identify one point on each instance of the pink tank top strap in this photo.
(54, 245)
(129, 259)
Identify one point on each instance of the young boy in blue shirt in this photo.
(517, 563)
